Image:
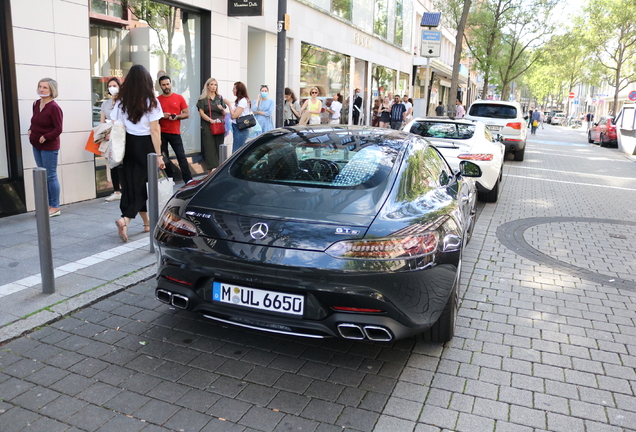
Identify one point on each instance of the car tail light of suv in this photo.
(515, 125)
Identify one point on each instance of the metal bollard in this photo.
(224, 153)
(44, 230)
(153, 197)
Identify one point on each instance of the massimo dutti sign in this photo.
(245, 7)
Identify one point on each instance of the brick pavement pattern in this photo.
(536, 349)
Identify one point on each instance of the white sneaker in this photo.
(113, 197)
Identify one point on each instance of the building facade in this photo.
(335, 45)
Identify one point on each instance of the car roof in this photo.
(447, 120)
(496, 102)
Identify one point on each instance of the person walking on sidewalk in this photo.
(398, 113)
(535, 118)
(107, 107)
(140, 111)
(44, 135)
(174, 109)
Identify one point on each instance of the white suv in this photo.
(505, 119)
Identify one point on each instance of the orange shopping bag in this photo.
(91, 146)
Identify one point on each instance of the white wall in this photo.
(52, 40)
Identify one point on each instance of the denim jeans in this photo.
(48, 159)
(239, 137)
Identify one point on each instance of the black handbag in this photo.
(246, 122)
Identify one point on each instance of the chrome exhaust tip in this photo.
(180, 301)
(163, 296)
(378, 334)
(350, 331)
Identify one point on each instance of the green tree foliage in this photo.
(163, 20)
(563, 63)
(611, 36)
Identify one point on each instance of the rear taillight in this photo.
(516, 125)
(390, 248)
(179, 281)
(476, 157)
(171, 221)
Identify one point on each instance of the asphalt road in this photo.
(546, 336)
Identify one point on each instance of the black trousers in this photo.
(135, 175)
(177, 145)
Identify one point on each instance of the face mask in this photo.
(264, 95)
(357, 93)
(43, 95)
(113, 90)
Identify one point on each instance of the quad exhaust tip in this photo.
(177, 300)
(361, 332)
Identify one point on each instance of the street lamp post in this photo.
(281, 50)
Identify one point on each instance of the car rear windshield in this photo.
(433, 129)
(493, 111)
(333, 160)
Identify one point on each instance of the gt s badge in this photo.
(347, 231)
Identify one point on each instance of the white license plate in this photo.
(258, 299)
(494, 128)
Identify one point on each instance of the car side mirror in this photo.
(469, 169)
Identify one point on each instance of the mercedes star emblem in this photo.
(259, 230)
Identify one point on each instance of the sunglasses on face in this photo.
(314, 92)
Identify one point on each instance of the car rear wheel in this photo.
(519, 154)
(492, 195)
(444, 329)
(601, 141)
(589, 138)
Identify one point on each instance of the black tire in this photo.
(492, 195)
(589, 138)
(519, 154)
(444, 328)
(601, 141)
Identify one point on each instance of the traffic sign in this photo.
(431, 43)
(632, 96)
(571, 95)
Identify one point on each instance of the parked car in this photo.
(603, 132)
(459, 140)
(551, 114)
(558, 119)
(322, 231)
(504, 118)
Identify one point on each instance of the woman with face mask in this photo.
(113, 90)
(44, 136)
(264, 109)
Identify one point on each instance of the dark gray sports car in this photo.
(327, 231)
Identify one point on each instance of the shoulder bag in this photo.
(117, 147)
(246, 121)
(217, 127)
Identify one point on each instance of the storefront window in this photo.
(403, 84)
(167, 42)
(341, 8)
(325, 69)
(383, 80)
(380, 18)
(399, 23)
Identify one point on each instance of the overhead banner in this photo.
(245, 7)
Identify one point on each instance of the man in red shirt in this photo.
(175, 109)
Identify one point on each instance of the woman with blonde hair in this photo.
(313, 105)
(212, 109)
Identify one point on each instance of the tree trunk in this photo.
(458, 54)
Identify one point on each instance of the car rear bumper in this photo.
(410, 294)
(513, 144)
